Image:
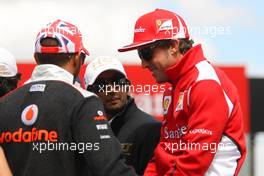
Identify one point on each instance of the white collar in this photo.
(51, 72)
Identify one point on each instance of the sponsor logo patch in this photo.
(166, 104)
(33, 135)
(29, 115)
(99, 118)
(126, 148)
(164, 24)
(176, 133)
(180, 102)
(105, 136)
(37, 88)
(102, 127)
(100, 113)
(139, 30)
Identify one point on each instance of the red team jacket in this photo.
(202, 131)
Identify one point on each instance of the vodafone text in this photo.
(28, 136)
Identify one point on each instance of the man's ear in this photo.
(36, 58)
(77, 58)
(174, 48)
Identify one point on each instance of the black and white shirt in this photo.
(51, 127)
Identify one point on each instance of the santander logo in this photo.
(29, 114)
(175, 133)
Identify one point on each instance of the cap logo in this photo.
(29, 115)
(103, 62)
(4, 70)
(164, 24)
(139, 30)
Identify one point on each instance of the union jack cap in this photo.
(68, 36)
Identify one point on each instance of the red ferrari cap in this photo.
(157, 25)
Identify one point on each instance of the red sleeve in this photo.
(208, 110)
(151, 168)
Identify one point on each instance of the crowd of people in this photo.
(53, 126)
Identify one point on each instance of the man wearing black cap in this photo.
(49, 126)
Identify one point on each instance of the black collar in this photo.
(120, 118)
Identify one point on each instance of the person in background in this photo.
(137, 131)
(4, 168)
(9, 76)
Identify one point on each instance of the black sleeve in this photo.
(91, 126)
(147, 145)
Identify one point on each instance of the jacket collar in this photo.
(51, 72)
(188, 61)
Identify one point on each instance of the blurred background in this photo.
(230, 32)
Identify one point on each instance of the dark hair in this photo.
(8, 84)
(185, 44)
(59, 59)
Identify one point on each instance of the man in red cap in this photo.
(202, 131)
(52, 127)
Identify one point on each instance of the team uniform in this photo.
(138, 133)
(202, 131)
(201, 112)
(50, 109)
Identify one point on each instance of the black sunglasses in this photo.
(146, 52)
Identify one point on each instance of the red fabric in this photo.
(238, 77)
(196, 111)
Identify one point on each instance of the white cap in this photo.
(8, 67)
(99, 65)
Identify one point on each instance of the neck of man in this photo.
(112, 113)
(176, 59)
